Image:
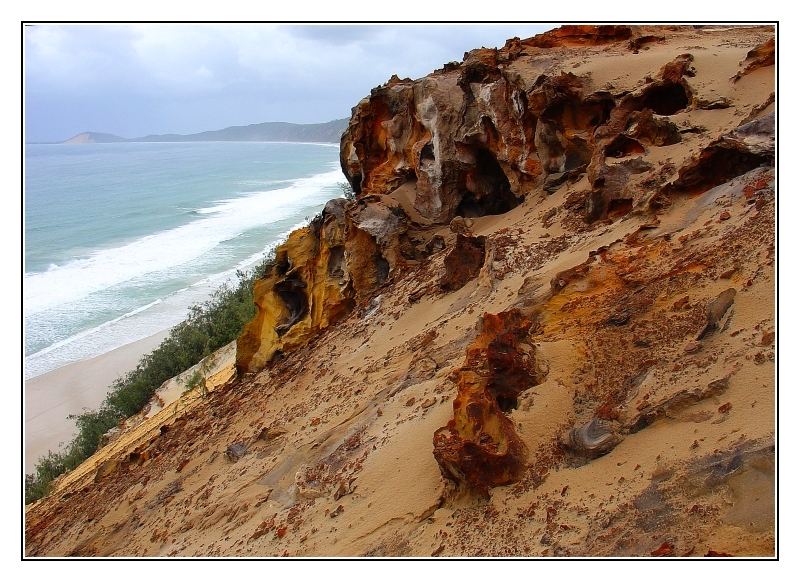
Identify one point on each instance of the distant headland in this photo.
(330, 131)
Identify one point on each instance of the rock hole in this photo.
(292, 292)
(665, 98)
(427, 152)
(595, 206)
(382, 269)
(619, 207)
(716, 166)
(579, 115)
(577, 155)
(488, 189)
(336, 262)
(282, 264)
(511, 375)
(623, 146)
(355, 182)
(506, 403)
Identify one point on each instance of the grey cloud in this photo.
(135, 80)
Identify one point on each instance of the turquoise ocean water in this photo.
(121, 238)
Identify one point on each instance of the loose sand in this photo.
(53, 396)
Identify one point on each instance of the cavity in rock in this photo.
(292, 292)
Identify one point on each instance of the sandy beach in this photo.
(51, 397)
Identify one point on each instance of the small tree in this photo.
(347, 190)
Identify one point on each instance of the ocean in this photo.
(120, 239)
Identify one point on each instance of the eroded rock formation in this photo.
(747, 147)
(479, 446)
(318, 276)
(474, 139)
(761, 56)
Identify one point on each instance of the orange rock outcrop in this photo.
(479, 446)
(318, 276)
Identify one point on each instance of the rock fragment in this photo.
(715, 311)
(592, 439)
(235, 451)
(463, 262)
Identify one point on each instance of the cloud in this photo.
(141, 79)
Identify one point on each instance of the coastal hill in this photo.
(545, 326)
(94, 137)
(329, 132)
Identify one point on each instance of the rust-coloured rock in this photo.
(652, 129)
(463, 262)
(714, 554)
(581, 35)
(745, 148)
(635, 44)
(664, 549)
(679, 67)
(761, 56)
(463, 137)
(561, 125)
(473, 138)
(479, 447)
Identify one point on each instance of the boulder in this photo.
(463, 263)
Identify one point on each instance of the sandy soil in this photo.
(53, 396)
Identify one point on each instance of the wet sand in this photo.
(51, 397)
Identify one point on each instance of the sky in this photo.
(134, 80)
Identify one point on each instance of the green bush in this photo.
(193, 381)
(208, 327)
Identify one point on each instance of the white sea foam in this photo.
(141, 322)
(262, 183)
(103, 269)
(88, 332)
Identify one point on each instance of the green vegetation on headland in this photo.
(209, 326)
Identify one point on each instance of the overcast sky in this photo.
(136, 80)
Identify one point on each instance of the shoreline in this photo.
(52, 396)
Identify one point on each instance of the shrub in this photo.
(347, 190)
(209, 326)
(193, 381)
(47, 469)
